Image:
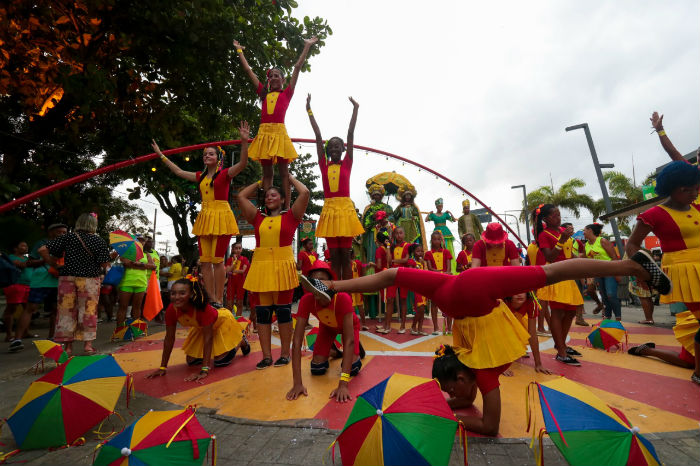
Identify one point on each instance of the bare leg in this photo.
(52, 317)
(267, 176)
(207, 269)
(136, 303)
(434, 317)
(573, 269)
(283, 168)
(667, 356)
(238, 304)
(219, 281)
(579, 317)
(285, 338)
(544, 316)
(368, 283)
(418, 319)
(389, 312)
(403, 310)
(346, 263)
(124, 299)
(648, 308)
(8, 319)
(337, 263)
(361, 309)
(24, 320)
(557, 327)
(265, 334)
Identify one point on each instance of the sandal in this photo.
(646, 322)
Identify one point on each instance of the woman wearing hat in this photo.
(407, 215)
(338, 317)
(494, 248)
(440, 219)
(215, 223)
(676, 223)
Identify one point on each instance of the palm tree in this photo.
(566, 197)
(622, 192)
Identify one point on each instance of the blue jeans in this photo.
(608, 291)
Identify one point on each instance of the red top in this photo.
(336, 177)
(242, 261)
(357, 267)
(495, 256)
(192, 317)
(464, 258)
(220, 188)
(275, 231)
(380, 259)
(548, 238)
(274, 104)
(529, 307)
(438, 258)
(331, 315)
(676, 230)
(399, 251)
(487, 379)
(307, 260)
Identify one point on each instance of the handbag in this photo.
(114, 275)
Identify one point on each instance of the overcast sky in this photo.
(482, 91)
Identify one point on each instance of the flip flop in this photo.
(646, 322)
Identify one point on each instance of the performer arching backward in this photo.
(338, 222)
(215, 223)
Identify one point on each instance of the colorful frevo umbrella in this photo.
(131, 330)
(402, 420)
(313, 334)
(51, 350)
(685, 329)
(126, 245)
(60, 407)
(585, 429)
(606, 334)
(159, 437)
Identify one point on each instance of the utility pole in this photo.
(525, 210)
(155, 217)
(598, 166)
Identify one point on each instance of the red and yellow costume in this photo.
(529, 310)
(495, 256)
(420, 300)
(215, 223)
(381, 261)
(234, 286)
(338, 222)
(357, 268)
(227, 331)
(273, 269)
(400, 251)
(307, 260)
(564, 295)
(485, 330)
(679, 235)
(437, 258)
(330, 320)
(272, 142)
(464, 258)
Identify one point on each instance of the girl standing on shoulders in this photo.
(338, 222)
(215, 223)
(272, 145)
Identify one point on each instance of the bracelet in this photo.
(558, 247)
(345, 377)
(163, 368)
(662, 133)
(239, 50)
(259, 183)
(310, 112)
(163, 157)
(204, 369)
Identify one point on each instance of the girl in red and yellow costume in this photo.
(494, 248)
(464, 258)
(487, 335)
(556, 245)
(438, 260)
(272, 145)
(215, 223)
(398, 258)
(214, 333)
(676, 223)
(307, 256)
(273, 275)
(236, 268)
(417, 261)
(338, 222)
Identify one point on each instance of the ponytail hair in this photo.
(219, 166)
(446, 365)
(538, 215)
(198, 295)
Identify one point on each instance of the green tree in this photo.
(565, 197)
(622, 192)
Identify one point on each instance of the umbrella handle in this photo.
(463, 440)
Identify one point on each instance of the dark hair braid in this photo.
(538, 215)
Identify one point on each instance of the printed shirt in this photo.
(676, 230)
(464, 258)
(78, 261)
(495, 256)
(277, 231)
(274, 104)
(191, 317)
(438, 258)
(218, 192)
(336, 177)
(307, 260)
(548, 239)
(331, 315)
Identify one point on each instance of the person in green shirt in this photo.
(132, 288)
(16, 294)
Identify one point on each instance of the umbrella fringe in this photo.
(6, 456)
(539, 452)
(463, 440)
(213, 450)
(103, 435)
(130, 390)
(79, 442)
(331, 449)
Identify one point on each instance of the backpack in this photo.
(9, 274)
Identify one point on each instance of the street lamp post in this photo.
(598, 166)
(517, 224)
(527, 221)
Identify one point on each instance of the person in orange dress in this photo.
(236, 269)
(438, 260)
(676, 222)
(272, 275)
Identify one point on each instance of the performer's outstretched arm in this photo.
(303, 196)
(239, 50)
(320, 150)
(300, 62)
(189, 176)
(244, 132)
(351, 129)
(658, 123)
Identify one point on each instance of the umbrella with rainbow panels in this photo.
(159, 437)
(60, 407)
(313, 334)
(126, 245)
(606, 334)
(131, 330)
(402, 420)
(585, 429)
(51, 350)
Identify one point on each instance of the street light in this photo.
(517, 224)
(601, 180)
(527, 222)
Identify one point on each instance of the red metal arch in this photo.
(144, 158)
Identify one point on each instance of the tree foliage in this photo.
(565, 197)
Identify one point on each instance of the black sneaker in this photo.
(216, 305)
(282, 361)
(568, 360)
(16, 346)
(637, 350)
(659, 280)
(695, 379)
(318, 289)
(264, 364)
(572, 352)
(245, 347)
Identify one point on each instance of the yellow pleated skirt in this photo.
(227, 335)
(272, 269)
(492, 340)
(215, 219)
(566, 292)
(338, 219)
(683, 268)
(272, 143)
